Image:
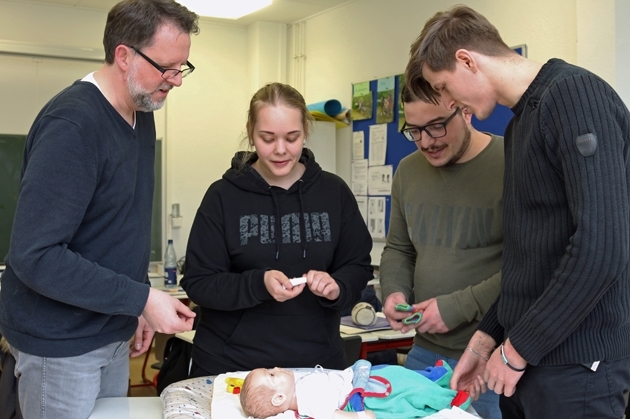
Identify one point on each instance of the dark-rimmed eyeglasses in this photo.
(167, 73)
(435, 130)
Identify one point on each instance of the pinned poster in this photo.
(358, 145)
(362, 202)
(385, 99)
(377, 147)
(376, 217)
(360, 177)
(380, 180)
(361, 101)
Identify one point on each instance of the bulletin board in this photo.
(398, 146)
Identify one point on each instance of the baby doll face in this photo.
(281, 380)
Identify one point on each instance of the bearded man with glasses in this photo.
(444, 245)
(75, 289)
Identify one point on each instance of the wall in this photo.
(596, 38)
(205, 120)
(267, 54)
(52, 26)
(622, 49)
(603, 41)
(28, 83)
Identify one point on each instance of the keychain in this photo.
(414, 318)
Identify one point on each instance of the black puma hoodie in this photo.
(245, 227)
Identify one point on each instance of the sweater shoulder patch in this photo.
(586, 144)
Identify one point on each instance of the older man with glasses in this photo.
(75, 289)
(444, 246)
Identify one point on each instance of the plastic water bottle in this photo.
(170, 266)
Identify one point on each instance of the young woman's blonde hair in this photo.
(274, 94)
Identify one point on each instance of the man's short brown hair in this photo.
(444, 34)
(135, 22)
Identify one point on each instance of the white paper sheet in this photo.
(376, 217)
(380, 180)
(358, 145)
(360, 177)
(378, 144)
(362, 201)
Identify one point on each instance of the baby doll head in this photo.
(267, 392)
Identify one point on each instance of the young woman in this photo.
(275, 215)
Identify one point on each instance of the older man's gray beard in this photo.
(141, 98)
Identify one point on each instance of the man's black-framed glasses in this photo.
(436, 130)
(167, 73)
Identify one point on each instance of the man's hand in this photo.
(431, 318)
(141, 341)
(468, 373)
(393, 316)
(500, 378)
(322, 284)
(280, 287)
(166, 314)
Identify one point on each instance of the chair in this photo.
(176, 360)
(352, 346)
(9, 406)
(176, 365)
(146, 381)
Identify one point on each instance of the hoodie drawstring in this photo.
(302, 221)
(277, 227)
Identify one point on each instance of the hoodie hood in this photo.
(245, 177)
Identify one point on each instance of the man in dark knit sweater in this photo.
(561, 324)
(76, 288)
